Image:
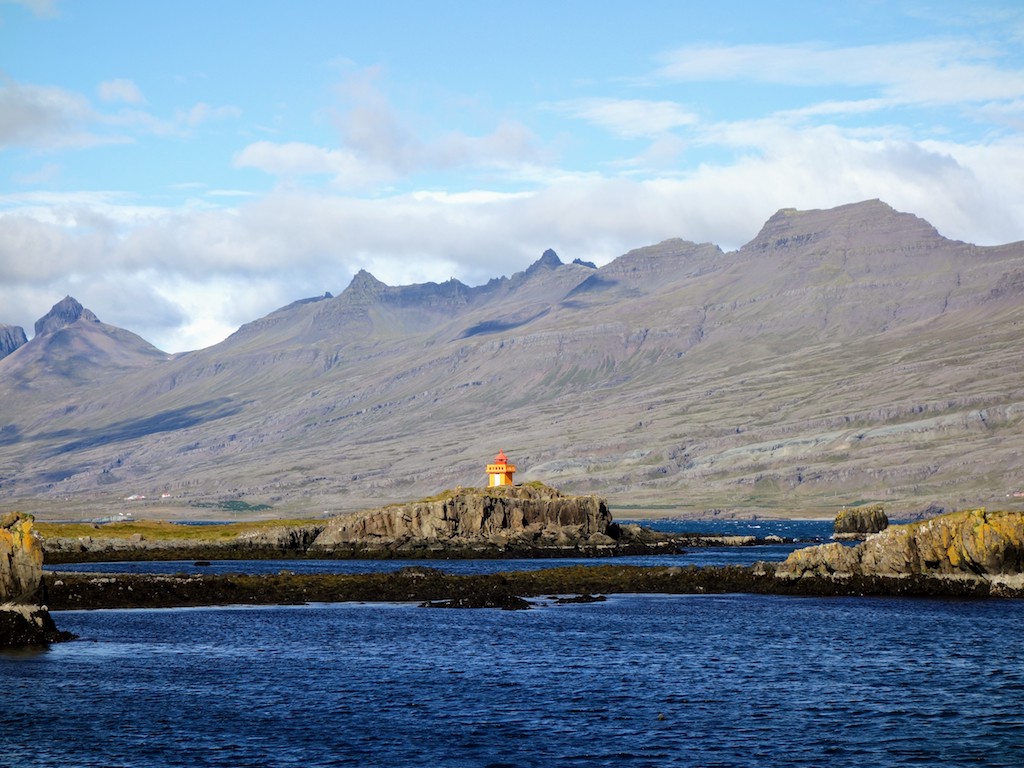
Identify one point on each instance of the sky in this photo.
(182, 168)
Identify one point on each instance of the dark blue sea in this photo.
(638, 680)
(799, 533)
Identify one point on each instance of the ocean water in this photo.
(802, 532)
(638, 680)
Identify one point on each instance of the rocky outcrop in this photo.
(62, 314)
(967, 545)
(11, 338)
(857, 523)
(22, 620)
(283, 541)
(528, 517)
(21, 559)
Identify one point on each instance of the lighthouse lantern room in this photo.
(500, 471)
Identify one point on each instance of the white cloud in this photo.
(43, 116)
(378, 143)
(931, 72)
(51, 118)
(295, 158)
(121, 90)
(630, 118)
(202, 112)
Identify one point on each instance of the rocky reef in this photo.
(23, 620)
(969, 546)
(858, 522)
(433, 588)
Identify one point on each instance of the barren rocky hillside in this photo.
(841, 356)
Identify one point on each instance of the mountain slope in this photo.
(841, 355)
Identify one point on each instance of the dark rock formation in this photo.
(858, 522)
(11, 337)
(972, 545)
(280, 542)
(504, 517)
(62, 314)
(22, 622)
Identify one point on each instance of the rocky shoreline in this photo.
(69, 591)
(963, 554)
(632, 540)
(970, 554)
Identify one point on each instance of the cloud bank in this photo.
(412, 203)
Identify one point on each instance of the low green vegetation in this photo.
(232, 505)
(158, 530)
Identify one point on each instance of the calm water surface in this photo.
(805, 531)
(639, 680)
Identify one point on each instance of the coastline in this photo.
(67, 590)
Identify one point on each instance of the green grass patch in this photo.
(232, 505)
(158, 530)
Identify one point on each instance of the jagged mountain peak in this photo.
(364, 285)
(11, 338)
(62, 314)
(548, 261)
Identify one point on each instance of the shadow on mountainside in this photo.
(166, 421)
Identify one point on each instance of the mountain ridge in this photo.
(842, 354)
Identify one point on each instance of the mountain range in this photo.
(841, 356)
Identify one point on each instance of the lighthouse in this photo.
(500, 471)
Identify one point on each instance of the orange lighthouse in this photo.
(500, 472)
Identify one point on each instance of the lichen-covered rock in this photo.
(972, 544)
(22, 621)
(21, 559)
(859, 522)
(528, 515)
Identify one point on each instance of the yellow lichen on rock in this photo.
(21, 558)
(971, 543)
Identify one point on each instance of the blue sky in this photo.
(182, 168)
